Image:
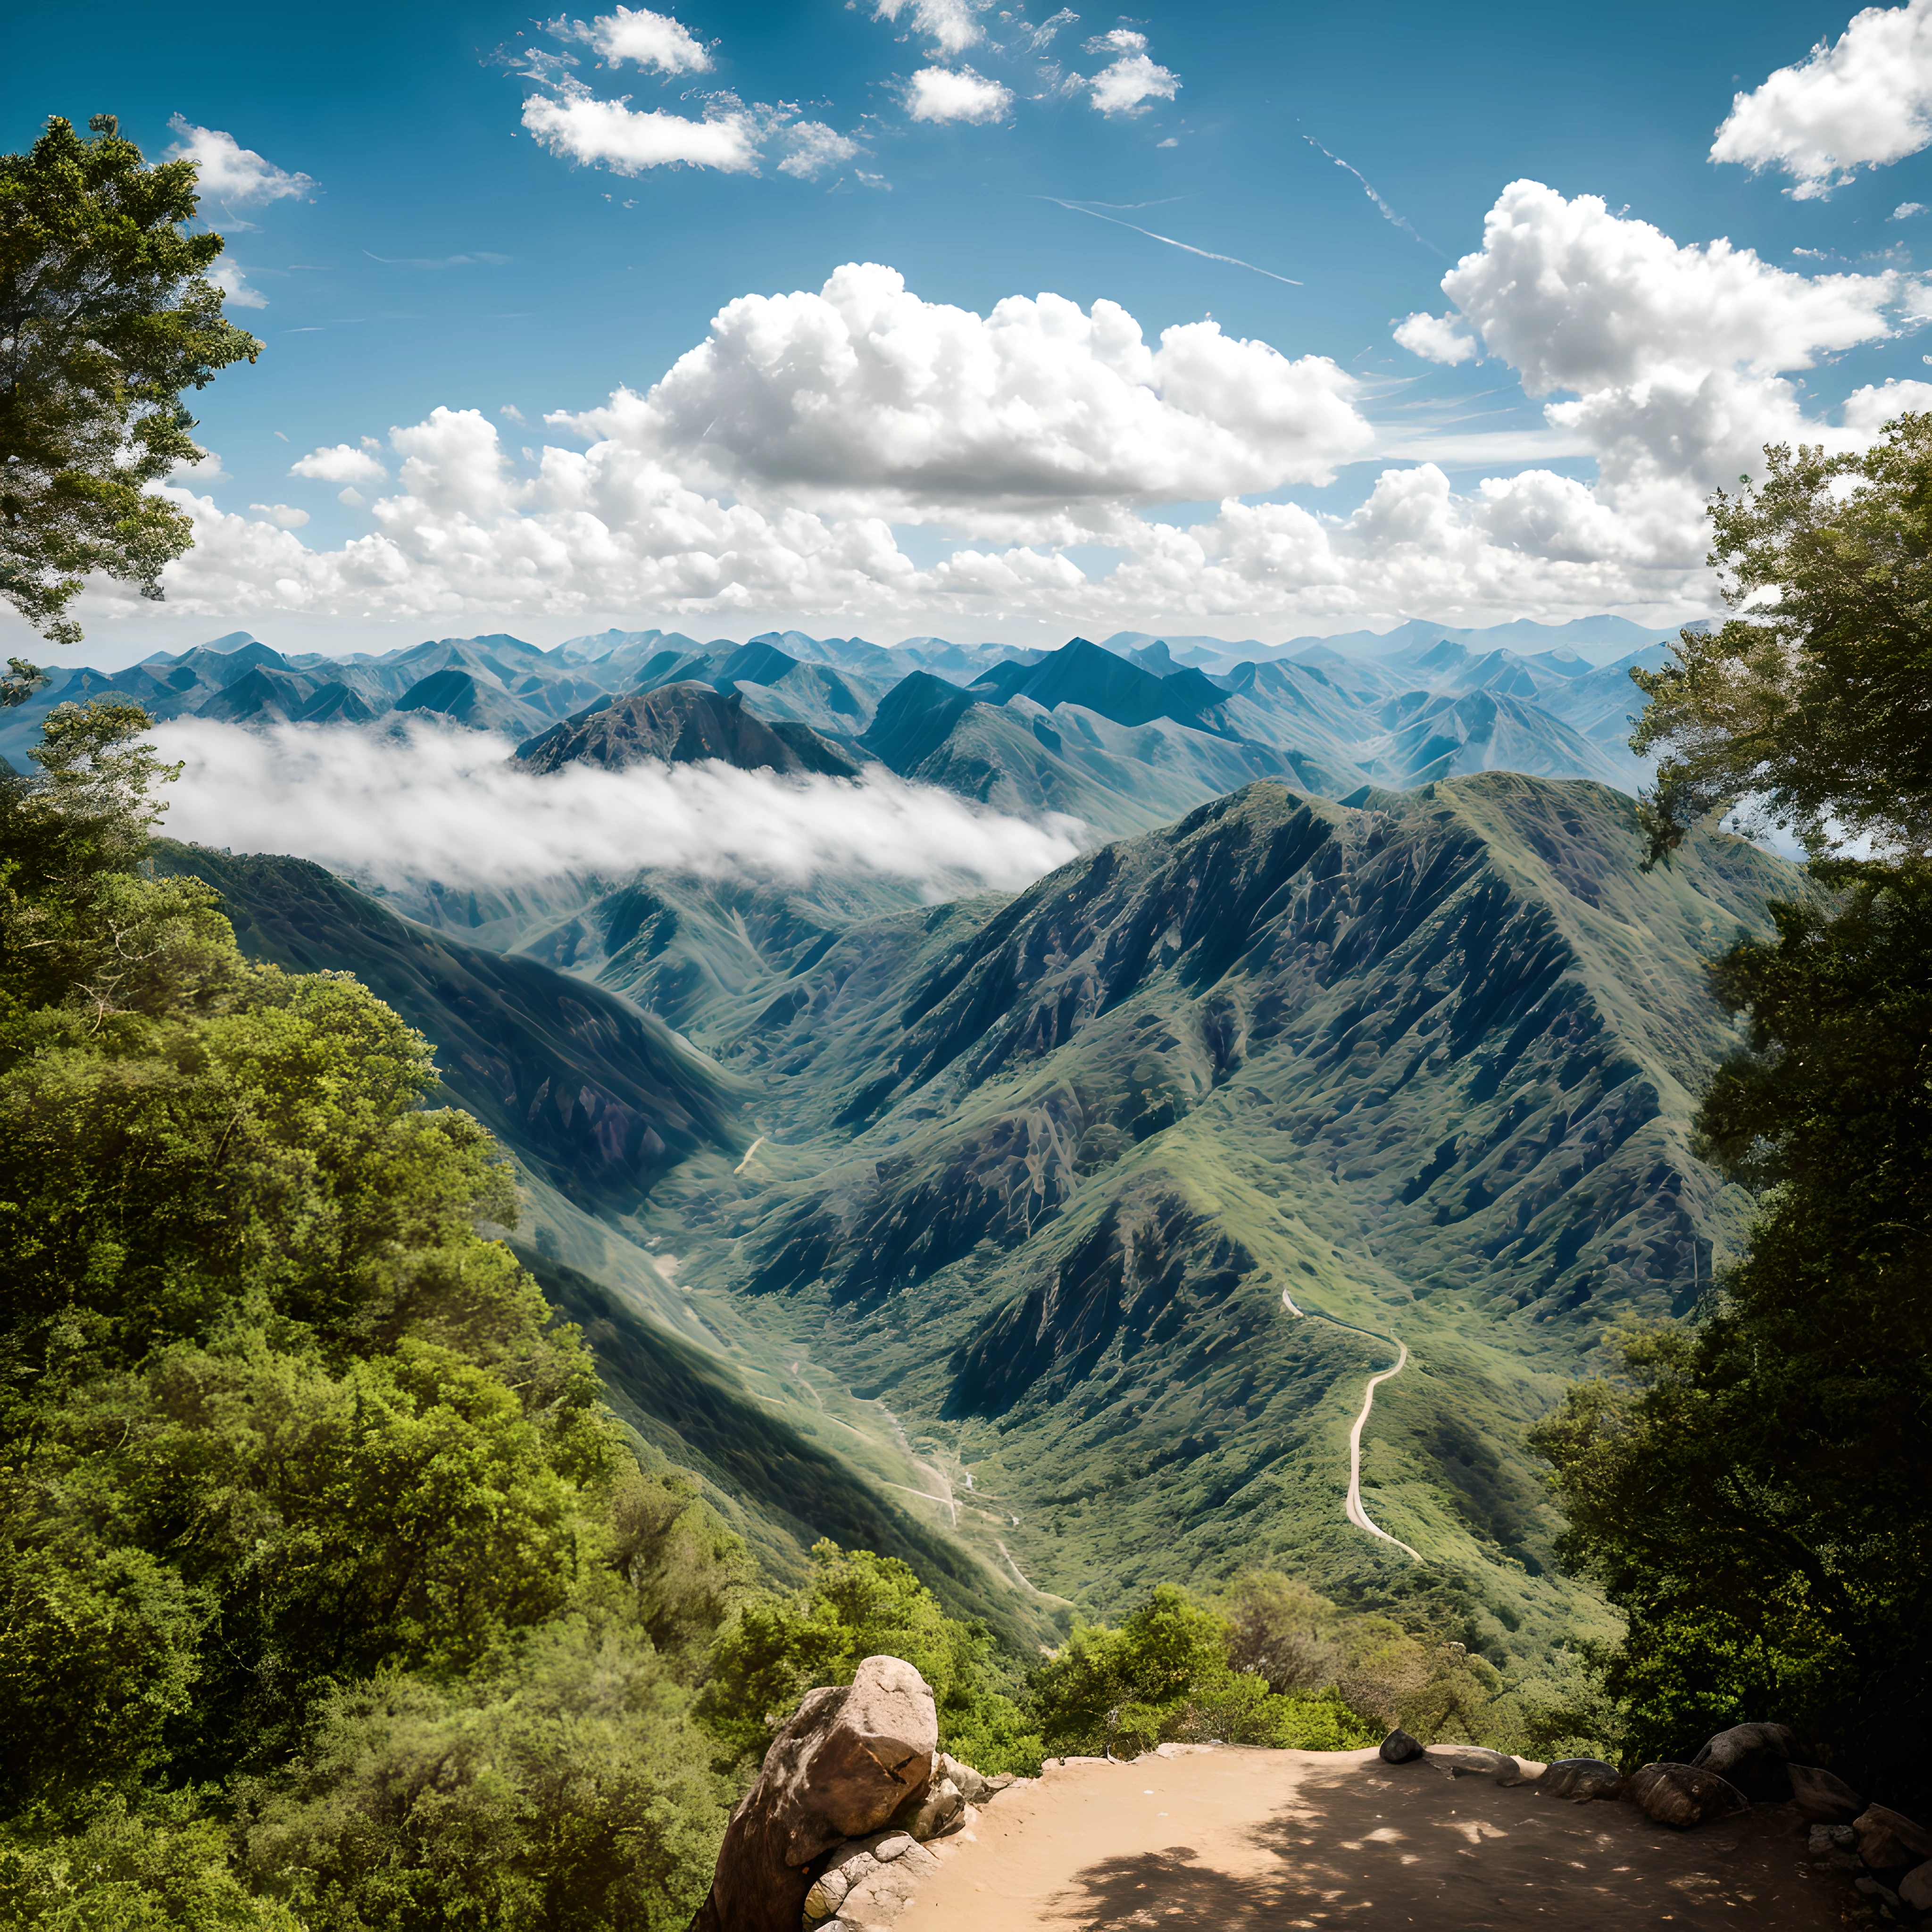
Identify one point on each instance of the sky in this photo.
(904, 317)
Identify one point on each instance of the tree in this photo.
(1812, 707)
(107, 318)
(1755, 1492)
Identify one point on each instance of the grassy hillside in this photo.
(1052, 1174)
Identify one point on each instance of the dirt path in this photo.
(1358, 1516)
(1233, 1840)
(1352, 1502)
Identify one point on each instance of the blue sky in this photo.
(441, 256)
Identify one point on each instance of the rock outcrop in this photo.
(1823, 1796)
(846, 1764)
(1582, 1778)
(1683, 1795)
(1889, 1841)
(1755, 1758)
(1399, 1747)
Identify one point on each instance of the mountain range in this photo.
(1123, 736)
(1060, 1232)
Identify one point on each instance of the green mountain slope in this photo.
(1067, 1177)
(596, 1094)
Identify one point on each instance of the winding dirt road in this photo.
(1358, 1516)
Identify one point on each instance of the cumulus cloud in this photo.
(339, 463)
(955, 93)
(282, 514)
(1864, 102)
(647, 40)
(444, 804)
(1133, 79)
(229, 278)
(1437, 338)
(815, 148)
(953, 24)
(1906, 210)
(862, 397)
(763, 474)
(228, 172)
(580, 127)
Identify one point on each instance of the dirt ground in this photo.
(1235, 1841)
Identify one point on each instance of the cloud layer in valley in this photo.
(430, 802)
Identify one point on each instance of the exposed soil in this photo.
(1229, 1839)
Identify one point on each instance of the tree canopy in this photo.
(1754, 1487)
(1812, 707)
(107, 318)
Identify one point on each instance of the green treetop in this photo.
(1812, 707)
(106, 317)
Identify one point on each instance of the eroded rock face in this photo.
(1684, 1794)
(847, 1762)
(1755, 1758)
(1889, 1841)
(1582, 1778)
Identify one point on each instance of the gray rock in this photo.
(1915, 1887)
(1755, 1758)
(1399, 1747)
(1473, 1758)
(828, 1890)
(1582, 1778)
(1682, 1794)
(1870, 1887)
(882, 1896)
(937, 1813)
(974, 1789)
(1822, 1794)
(1889, 1841)
(846, 1763)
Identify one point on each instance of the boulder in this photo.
(1682, 1794)
(1755, 1758)
(898, 1865)
(843, 1766)
(972, 1788)
(1582, 1778)
(937, 1812)
(1889, 1841)
(1915, 1887)
(1473, 1758)
(1399, 1747)
(1823, 1795)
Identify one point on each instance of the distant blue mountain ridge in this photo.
(1125, 734)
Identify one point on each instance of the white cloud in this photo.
(1133, 80)
(1864, 102)
(1437, 338)
(955, 93)
(226, 171)
(1577, 297)
(585, 130)
(339, 463)
(863, 398)
(448, 805)
(761, 476)
(282, 515)
(353, 496)
(1906, 210)
(648, 39)
(229, 279)
(953, 24)
(815, 148)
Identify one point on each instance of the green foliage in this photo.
(164, 1866)
(300, 1484)
(1754, 1493)
(567, 1789)
(857, 1605)
(105, 318)
(1169, 1673)
(1810, 704)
